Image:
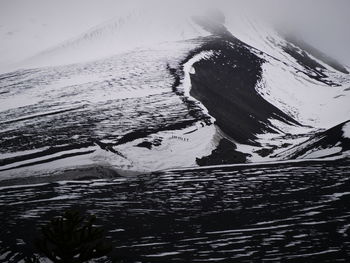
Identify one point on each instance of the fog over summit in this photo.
(30, 27)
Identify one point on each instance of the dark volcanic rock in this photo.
(318, 54)
(145, 144)
(327, 140)
(225, 84)
(150, 144)
(264, 213)
(225, 153)
(305, 56)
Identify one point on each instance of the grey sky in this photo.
(29, 26)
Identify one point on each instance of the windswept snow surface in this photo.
(315, 105)
(168, 103)
(274, 212)
(328, 144)
(132, 108)
(346, 130)
(318, 98)
(287, 84)
(136, 29)
(186, 82)
(308, 101)
(100, 113)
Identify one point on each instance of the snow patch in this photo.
(319, 153)
(307, 101)
(346, 130)
(140, 28)
(178, 148)
(185, 85)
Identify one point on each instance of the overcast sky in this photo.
(29, 26)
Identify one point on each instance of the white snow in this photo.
(186, 82)
(21, 186)
(346, 130)
(240, 165)
(320, 153)
(309, 102)
(138, 28)
(46, 157)
(122, 76)
(60, 197)
(19, 153)
(163, 254)
(177, 149)
(20, 100)
(282, 84)
(247, 230)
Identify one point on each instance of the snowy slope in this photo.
(180, 93)
(308, 89)
(334, 142)
(138, 28)
(100, 113)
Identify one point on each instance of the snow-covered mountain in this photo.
(138, 94)
(138, 28)
(332, 143)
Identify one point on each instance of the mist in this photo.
(29, 27)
